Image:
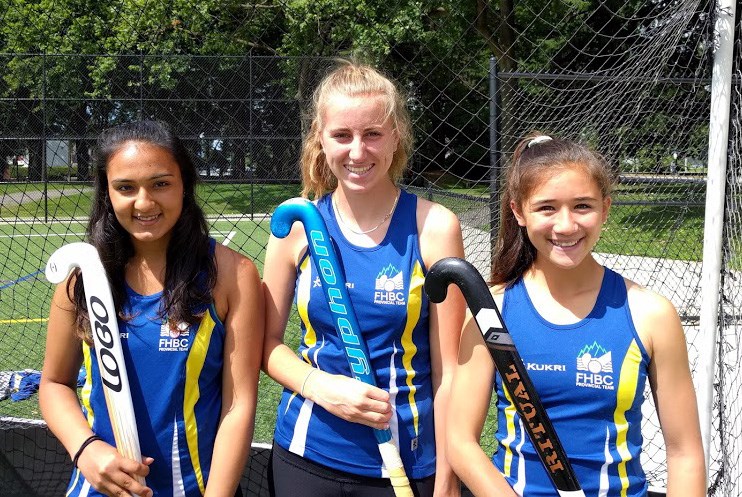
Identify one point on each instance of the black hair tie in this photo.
(88, 441)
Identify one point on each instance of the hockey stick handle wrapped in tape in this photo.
(346, 324)
(508, 363)
(106, 339)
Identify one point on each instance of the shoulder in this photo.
(64, 293)
(439, 231)
(288, 249)
(435, 221)
(231, 266)
(62, 326)
(498, 293)
(237, 278)
(646, 304)
(651, 313)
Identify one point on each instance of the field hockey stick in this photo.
(106, 340)
(509, 364)
(346, 324)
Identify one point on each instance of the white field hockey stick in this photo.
(346, 323)
(106, 340)
(509, 364)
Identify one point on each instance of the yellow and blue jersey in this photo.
(175, 376)
(385, 284)
(590, 376)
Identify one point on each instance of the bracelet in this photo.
(304, 383)
(88, 441)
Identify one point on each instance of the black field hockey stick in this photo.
(346, 324)
(106, 340)
(508, 363)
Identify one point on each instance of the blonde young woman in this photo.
(354, 155)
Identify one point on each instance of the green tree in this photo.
(48, 27)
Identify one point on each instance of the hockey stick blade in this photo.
(106, 339)
(346, 324)
(509, 364)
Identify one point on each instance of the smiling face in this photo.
(358, 141)
(563, 217)
(146, 191)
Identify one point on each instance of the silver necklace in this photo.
(365, 232)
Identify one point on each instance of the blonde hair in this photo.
(352, 79)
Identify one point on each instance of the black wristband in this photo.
(88, 441)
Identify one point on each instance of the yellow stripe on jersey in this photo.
(414, 307)
(627, 385)
(87, 388)
(302, 305)
(194, 365)
(510, 413)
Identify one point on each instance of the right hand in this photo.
(111, 473)
(350, 399)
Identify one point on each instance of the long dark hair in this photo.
(190, 272)
(536, 158)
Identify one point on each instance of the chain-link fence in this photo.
(629, 78)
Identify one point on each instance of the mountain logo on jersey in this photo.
(595, 367)
(389, 287)
(173, 337)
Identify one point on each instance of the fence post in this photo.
(250, 90)
(494, 200)
(140, 111)
(721, 86)
(44, 172)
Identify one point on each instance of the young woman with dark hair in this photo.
(191, 325)
(590, 340)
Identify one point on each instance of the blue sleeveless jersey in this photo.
(175, 379)
(590, 377)
(385, 284)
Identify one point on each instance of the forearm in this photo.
(446, 481)
(686, 475)
(477, 472)
(63, 415)
(283, 365)
(231, 451)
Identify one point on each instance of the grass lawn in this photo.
(236, 211)
(73, 201)
(25, 295)
(670, 232)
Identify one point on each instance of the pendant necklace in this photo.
(364, 232)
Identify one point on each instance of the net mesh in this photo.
(630, 78)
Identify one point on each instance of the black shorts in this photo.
(290, 475)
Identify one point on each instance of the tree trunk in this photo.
(36, 159)
(82, 157)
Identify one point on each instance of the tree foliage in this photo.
(101, 62)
